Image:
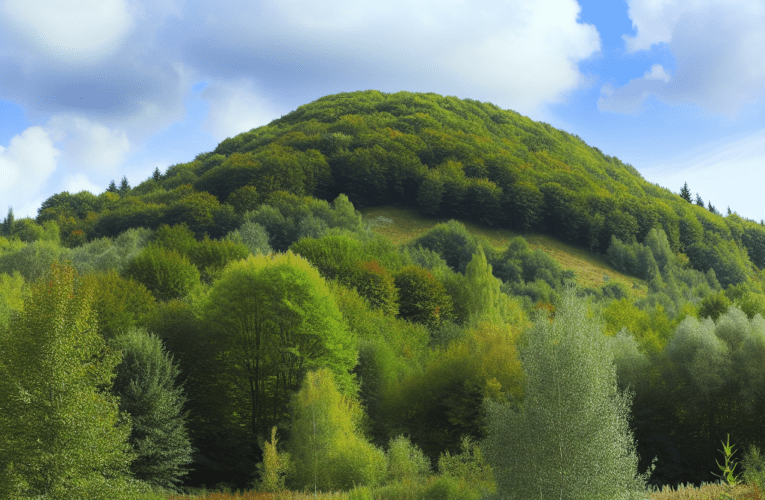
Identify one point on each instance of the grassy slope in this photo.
(590, 268)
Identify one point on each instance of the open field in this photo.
(590, 268)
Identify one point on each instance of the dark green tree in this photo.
(422, 298)
(685, 193)
(7, 228)
(112, 188)
(699, 201)
(124, 187)
(148, 387)
(166, 273)
(157, 175)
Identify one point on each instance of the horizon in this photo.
(96, 90)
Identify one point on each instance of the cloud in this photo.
(717, 47)
(26, 164)
(75, 31)
(89, 145)
(235, 107)
(630, 98)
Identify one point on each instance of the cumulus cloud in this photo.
(89, 145)
(717, 46)
(26, 164)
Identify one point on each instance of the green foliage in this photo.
(120, 304)
(274, 467)
(165, 273)
(211, 256)
(326, 445)
(253, 236)
(148, 390)
(712, 306)
(12, 292)
(451, 241)
(572, 405)
(469, 465)
(271, 319)
(32, 260)
(406, 462)
(422, 298)
(61, 435)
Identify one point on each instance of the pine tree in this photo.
(61, 434)
(570, 438)
(699, 201)
(157, 175)
(124, 187)
(7, 228)
(112, 188)
(685, 193)
(147, 385)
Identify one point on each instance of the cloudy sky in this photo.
(91, 90)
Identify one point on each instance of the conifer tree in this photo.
(685, 193)
(570, 437)
(146, 384)
(61, 434)
(7, 228)
(124, 187)
(112, 187)
(699, 201)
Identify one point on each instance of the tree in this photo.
(327, 447)
(7, 228)
(124, 187)
(422, 298)
(569, 437)
(685, 193)
(699, 201)
(166, 273)
(484, 299)
(157, 175)
(271, 320)
(147, 385)
(61, 434)
(112, 188)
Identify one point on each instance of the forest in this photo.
(235, 323)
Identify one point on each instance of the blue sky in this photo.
(91, 90)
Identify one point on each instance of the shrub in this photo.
(166, 273)
(406, 461)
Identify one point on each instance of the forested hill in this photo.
(442, 155)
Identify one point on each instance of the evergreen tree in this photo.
(685, 193)
(157, 175)
(699, 201)
(146, 384)
(124, 187)
(61, 434)
(7, 228)
(112, 188)
(570, 438)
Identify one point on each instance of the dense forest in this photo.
(195, 320)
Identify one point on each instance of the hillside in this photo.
(368, 222)
(442, 156)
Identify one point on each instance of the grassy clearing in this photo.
(590, 268)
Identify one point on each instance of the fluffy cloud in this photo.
(88, 145)
(26, 164)
(717, 46)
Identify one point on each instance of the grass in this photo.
(590, 268)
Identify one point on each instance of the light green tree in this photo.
(271, 319)
(327, 447)
(570, 437)
(61, 434)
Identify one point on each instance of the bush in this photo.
(166, 273)
(422, 298)
(406, 461)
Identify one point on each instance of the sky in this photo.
(94, 90)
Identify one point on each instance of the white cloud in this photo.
(77, 31)
(79, 182)
(717, 45)
(657, 72)
(26, 164)
(235, 107)
(89, 145)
